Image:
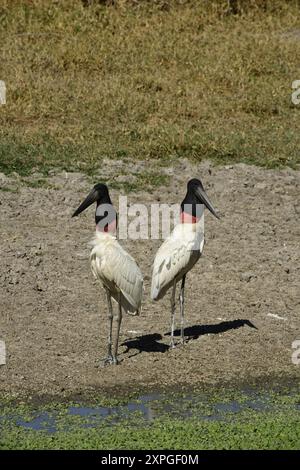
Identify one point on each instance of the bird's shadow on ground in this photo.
(147, 343)
(151, 342)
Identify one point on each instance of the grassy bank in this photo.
(147, 80)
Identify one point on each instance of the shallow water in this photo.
(145, 409)
(41, 422)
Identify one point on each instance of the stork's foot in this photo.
(109, 360)
(179, 343)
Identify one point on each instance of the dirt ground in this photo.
(53, 314)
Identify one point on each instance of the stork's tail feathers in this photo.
(155, 288)
(154, 293)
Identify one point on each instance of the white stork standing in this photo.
(181, 250)
(112, 265)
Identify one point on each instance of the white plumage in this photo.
(112, 265)
(181, 250)
(118, 271)
(176, 256)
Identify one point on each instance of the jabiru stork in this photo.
(181, 250)
(112, 265)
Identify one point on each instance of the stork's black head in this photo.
(197, 195)
(98, 194)
(105, 215)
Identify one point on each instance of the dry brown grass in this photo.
(156, 80)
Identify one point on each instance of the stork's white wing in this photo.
(126, 275)
(119, 272)
(175, 257)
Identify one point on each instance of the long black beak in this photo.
(89, 200)
(202, 196)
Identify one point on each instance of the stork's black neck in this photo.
(191, 206)
(105, 215)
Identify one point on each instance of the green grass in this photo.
(155, 81)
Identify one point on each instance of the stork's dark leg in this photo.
(119, 321)
(173, 314)
(109, 358)
(181, 299)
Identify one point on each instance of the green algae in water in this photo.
(233, 420)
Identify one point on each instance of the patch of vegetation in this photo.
(223, 420)
(146, 180)
(8, 189)
(39, 154)
(139, 81)
(251, 431)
